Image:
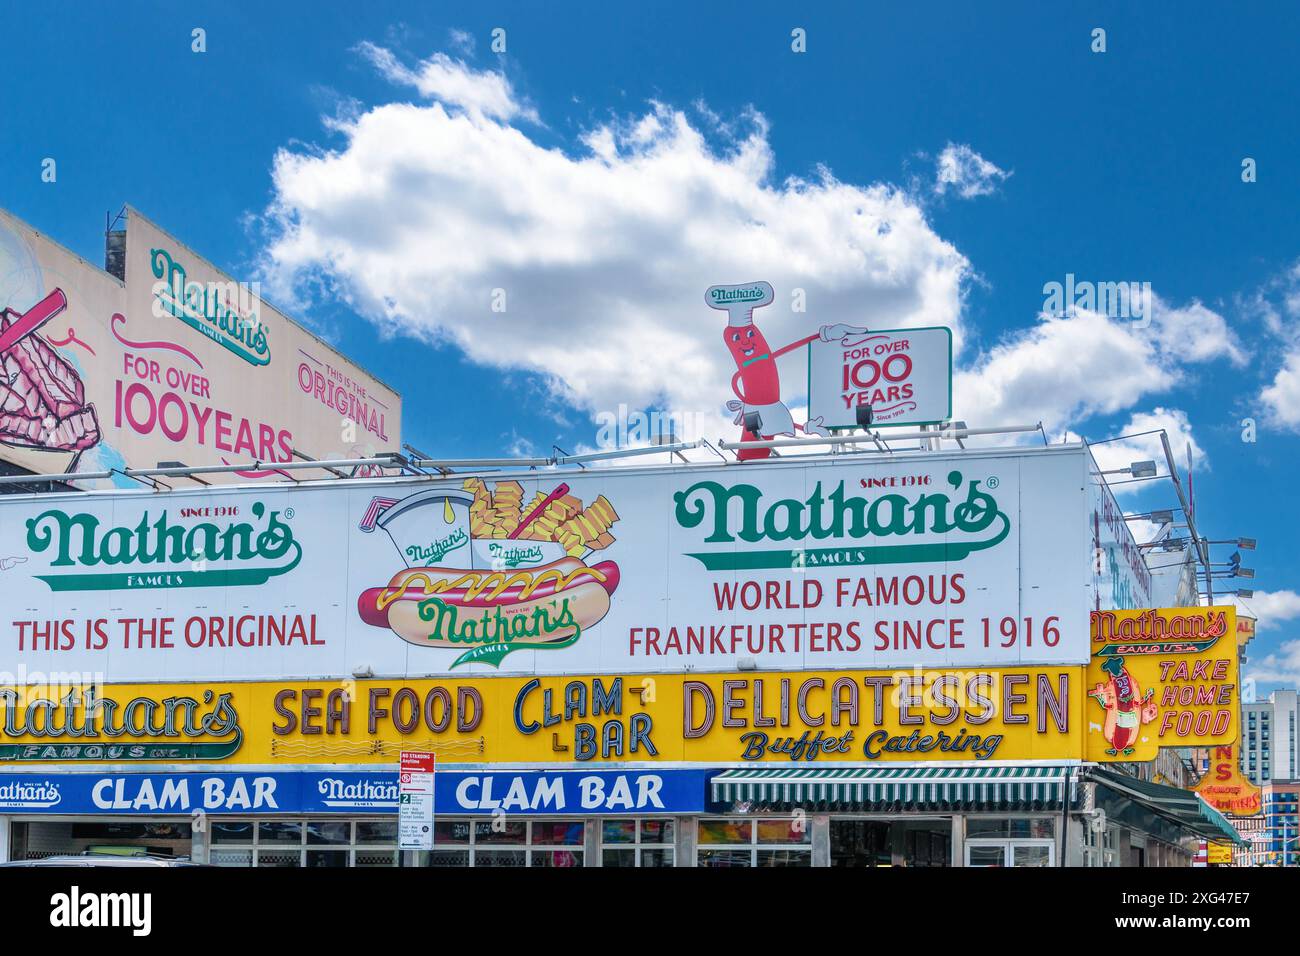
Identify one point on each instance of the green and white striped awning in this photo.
(931, 787)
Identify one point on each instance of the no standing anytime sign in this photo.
(905, 375)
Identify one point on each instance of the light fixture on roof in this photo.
(1137, 469)
(863, 414)
(1246, 544)
(1163, 517)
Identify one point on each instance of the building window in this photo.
(508, 843)
(303, 843)
(636, 842)
(754, 841)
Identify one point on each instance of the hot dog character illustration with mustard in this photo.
(1127, 708)
(756, 382)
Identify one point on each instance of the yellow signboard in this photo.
(1224, 788)
(1218, 853)
(1164, 677)
(1019, 714)
(1245, 629)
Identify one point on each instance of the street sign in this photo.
(415, 800)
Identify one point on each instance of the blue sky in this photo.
(1117, 166)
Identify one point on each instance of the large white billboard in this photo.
(177, 363)
(977, 558)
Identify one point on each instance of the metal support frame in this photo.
(878, 437)
(416, 466)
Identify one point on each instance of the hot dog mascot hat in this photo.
(739, 301)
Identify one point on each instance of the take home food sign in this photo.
(904, 375)
(981, 558)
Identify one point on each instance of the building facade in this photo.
(831, 661)
(1270, 747)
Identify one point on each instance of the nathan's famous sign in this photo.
(90, 724)
(1166, 677)
(177, 363)
(1224, 787)
(968, 560)
(977, 715)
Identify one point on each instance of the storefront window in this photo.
(651, 843)
(279, 832)
(294, 843)
(506, 843)
(500, 832)
(230, 856)
(226, 831)
(784, 831)
(378, 831)
(724, 831)
(780, 841)
(993, 854)
(1020, 828)
(38, 839)
(329, 831)
(564, 833)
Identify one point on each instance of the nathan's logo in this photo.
(357, 794)
(208, 309)
(727, 294)
(512, 557)
(972, 524)
(1156, 632)
(494, 633)
(84, 726)
(29, 795)
(435, 551)
(79, 540)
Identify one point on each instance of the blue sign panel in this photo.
(456, 792)
(567, 791)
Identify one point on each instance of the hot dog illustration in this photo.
(487, 574)
(1127, 709)
(445, 607)
(757, 382)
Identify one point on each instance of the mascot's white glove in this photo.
(836, 333)
(814, 426)
(739, 409)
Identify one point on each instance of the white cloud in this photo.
(966, 172)
(479, 92)
(604, 255)
(1277, 304)
(462, 40)
(1068, 368)
(1272, 608)
(1280, 667)
(1282, 398)
(1195, 333)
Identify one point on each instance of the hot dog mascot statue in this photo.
(756, 382)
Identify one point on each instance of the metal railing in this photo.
(425, 467)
